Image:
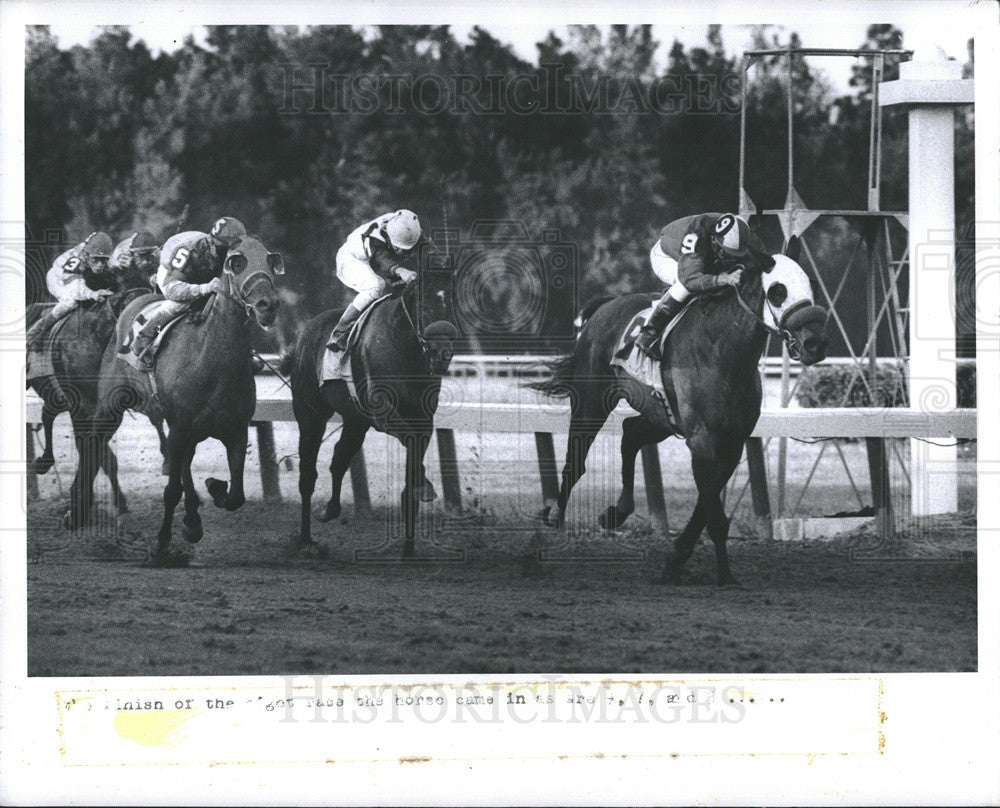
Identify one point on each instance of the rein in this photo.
(238, 295)
(424, 345)
(794, 349)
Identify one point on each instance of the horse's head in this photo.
(789, 307)
(439, 345)
(253, 270)
(437, 338)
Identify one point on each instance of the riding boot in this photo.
(648, 340)
(144, 339)
(34, 340)
(338, 339)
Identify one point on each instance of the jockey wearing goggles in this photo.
(190, 266)
(79, 274)
(139, 253)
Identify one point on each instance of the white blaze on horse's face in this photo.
(786, 287)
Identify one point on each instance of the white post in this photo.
(931, 90)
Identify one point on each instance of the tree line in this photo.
(304, 133)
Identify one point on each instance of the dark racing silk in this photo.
(689, 242)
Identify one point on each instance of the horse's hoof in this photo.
(217, 490)
(409, 553)
(329, 513)
(728, 580)
(165, 468)
(72, 521)
(234, 503)
(425, 492)
(192, 531)
(122, 507)
(613, 518)
(40, 465)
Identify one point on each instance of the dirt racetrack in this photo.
(482, 602)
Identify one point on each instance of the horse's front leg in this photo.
(47, 460)
(81, 494)
(192, 530)
(231, 497)
(178, 448)
(713, 462)
(157, 423)
(109, 463)
(417, 487)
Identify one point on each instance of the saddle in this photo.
(337, 364)
(640, 367)
(133, 318)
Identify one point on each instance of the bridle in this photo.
(239, 293)
(790, 340)
(424, 344)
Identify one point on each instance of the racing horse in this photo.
(202, 382)
(710, 380)
(76, 351)
(397, 369)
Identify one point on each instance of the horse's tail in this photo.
(559, 383)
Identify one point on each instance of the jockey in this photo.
(369, 261)
(79, 274)
(693, 255)
(138, 253)
(190, 265)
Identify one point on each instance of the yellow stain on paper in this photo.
(163, 728)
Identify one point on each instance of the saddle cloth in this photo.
(135, 325)
(338, 364)
(39, 363)
(639, 366)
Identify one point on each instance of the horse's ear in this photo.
(793, 249)
(275, 262)
(766, 262)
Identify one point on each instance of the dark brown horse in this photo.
(77, 350)
(204, 386)
(710, 377)
(397, 373)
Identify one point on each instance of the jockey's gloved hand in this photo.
(405, 275)
(731, 278)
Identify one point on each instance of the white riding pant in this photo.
(359, 276)
(168, 308)
(66, 292)
(665, 268)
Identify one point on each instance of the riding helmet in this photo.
(403, 229)
(731, 235)
(98, 245)
(228, 230)
(143, 243)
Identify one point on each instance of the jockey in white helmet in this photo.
(81, 273)
(695, 254)
(369, 261)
